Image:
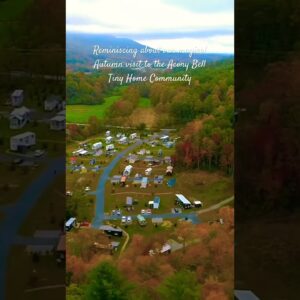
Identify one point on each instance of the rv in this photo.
(111, 230)
(182, 201)
(133, 136)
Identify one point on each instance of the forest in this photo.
(203, 114)
(203, 269)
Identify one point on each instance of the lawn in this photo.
(81, 113)
(145, 102)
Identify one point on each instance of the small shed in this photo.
(156, 202)
(144, 182)
(129, 201)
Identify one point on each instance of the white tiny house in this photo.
(22, 141)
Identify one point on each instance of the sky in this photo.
(165, 24)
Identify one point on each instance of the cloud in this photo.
(149, 20)
(214, 44)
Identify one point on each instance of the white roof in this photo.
(129, 167)
(197, 202)
(124, 138)
(70, 221)
(17, 93)
(97, 144)
(164, 137)
(61, 113)
(182, 199)
(20, 111)
(165, 248)
(148, 170)
(58, 118)
(24, 134)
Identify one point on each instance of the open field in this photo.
(81, 113)
(24, 274)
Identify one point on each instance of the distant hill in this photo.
(80, 51)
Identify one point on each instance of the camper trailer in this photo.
(110, 147)
(123, 140)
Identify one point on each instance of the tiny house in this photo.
(19, 117)
(133, 136)
(123, 140)
(108, 139)
(97, 146)
(17, 98)
(58, 123)
(22, 141)
(110, 147)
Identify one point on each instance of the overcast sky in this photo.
(166, 24)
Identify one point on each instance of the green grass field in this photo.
(145, 102)
(81, 113)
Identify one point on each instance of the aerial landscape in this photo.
(149, 174)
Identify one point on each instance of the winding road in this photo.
(100, 192)
(17, 213)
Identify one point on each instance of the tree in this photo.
(180, 286)
(106, 283)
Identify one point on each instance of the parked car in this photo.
(129, 219)
(87, 189)
(148, 211)
(143, 211)
(123, 220)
